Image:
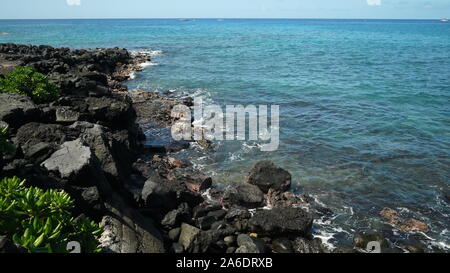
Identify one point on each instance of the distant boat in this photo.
(184, 20)
(444, 20)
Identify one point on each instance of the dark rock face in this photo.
(243, 195)
(155, 195)
(17, 110)
(127, 231)
(176, 217)
(76, 71)
(279, 221)
(194, 180)
(249, 244)
(267, 176)
(282, 245)
(113, 112)
(74, 161)
(303, 245)
(188, 236)
(7, 246)
(88, 201)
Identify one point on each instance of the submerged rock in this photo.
(267, 176)
(404, 224)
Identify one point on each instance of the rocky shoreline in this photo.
(91, 143)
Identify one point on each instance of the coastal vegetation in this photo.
(33, 219)
(41, 221)
(28, 82)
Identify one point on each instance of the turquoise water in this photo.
(364, 104)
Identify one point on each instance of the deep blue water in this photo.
(364, 104)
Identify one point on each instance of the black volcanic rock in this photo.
(267, 176)
(243, 195)
(17, 110)
(279, 221)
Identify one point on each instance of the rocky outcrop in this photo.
(267, 176)
(17, 110)
(90, 143)
(71, 160)
(243, 195)
(126, 231)
(249, 244)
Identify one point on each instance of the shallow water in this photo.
(364, 104)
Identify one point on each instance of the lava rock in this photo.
(75, 163)
(127, 231)
(230, 240)
(303, 245)
(70, 160)
(188, 236)
(154, 195)
(174, 234)
(203, 209)
(267, 176)
(280, 221)
(237, 214)
(193, 179)
(7, 246)
(249, 244)
(405, 224)
(177, 248)
(244, 195)
(65, 114)
(175, 217)
(282, 245)
(17, 110)
(206, 222)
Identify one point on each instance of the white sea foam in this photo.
(326, 238)
(153, 53)
(147, 64)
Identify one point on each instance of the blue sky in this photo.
(401, 9)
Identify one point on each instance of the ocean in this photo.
(364, 105)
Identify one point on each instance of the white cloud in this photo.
(374, 2)
(73, 2)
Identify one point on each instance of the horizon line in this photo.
(224, 18)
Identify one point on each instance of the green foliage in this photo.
(5, 146)
(41, 221)
(26, 81)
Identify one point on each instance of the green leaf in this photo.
(39, 240)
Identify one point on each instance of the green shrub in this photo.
(41, 221)
(26, 81)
